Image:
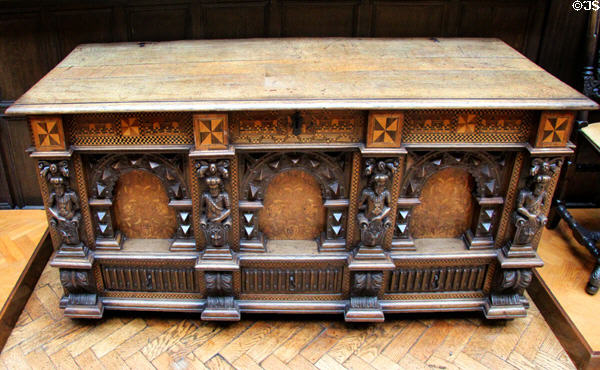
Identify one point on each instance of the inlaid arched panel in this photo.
(141, 207)
(293, 207)
(447, 205)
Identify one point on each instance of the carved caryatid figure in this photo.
(215, 219)
(63, 203)
(375, 201)
(529, 216)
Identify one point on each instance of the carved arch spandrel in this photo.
(327, 172)
(485, 168)
(106, 173)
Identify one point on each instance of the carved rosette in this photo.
(374, 204)
(529, 215)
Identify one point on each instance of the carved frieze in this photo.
(466, 126)
(302, 127)
(437, 279)
(149, 278)
(138, 129)
(325, 280)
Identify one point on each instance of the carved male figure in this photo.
(529, 217)
(63, 203)
(374, 203)
(215, 220)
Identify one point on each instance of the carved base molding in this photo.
(221, 309)
(363, 309)
(69, 256)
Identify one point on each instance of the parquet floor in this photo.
(44, 339)
(20, 234)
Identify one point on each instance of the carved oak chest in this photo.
(353, 176)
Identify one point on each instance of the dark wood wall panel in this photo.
(319, 18)
(36, 35)
(409, 19)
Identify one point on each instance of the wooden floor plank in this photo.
(129, 341)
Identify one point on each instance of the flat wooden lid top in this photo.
(331, 73)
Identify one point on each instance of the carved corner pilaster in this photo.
(364, 305)
(375, 215)
(64, 210)
(531, 208)
(80, 299)
(221, 304)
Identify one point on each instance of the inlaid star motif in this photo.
(48, 133)
(555, 129)
(466, 124)
(211, 131)
(130, 127)
(385, 130)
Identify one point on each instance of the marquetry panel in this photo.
(210, 131)
(466, 126)
(555, 129)
(293, 207)
(384, 129)
(149, 279)
(133, 129)
(437, 279)
(292, 280)
(305, 127)
(141, 207)
(447, 205)
(48, 133)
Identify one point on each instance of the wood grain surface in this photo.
(293, 207)
(566, 271)
(44, 338)
(446, 208)
(141, 207)
(296, 74)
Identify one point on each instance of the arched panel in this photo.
(141, 207)
(293, 207)
(447, 205)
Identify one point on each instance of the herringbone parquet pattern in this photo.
(44, 339)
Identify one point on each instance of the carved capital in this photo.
(367, 283)
(218, 283)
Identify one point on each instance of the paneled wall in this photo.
(35, 36)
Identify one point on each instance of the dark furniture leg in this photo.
(588, 239)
